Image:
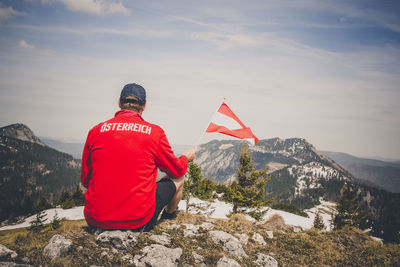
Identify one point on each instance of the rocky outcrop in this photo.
(265, 261)
(58, 246)
(227, 262)
(230, 243)
(158, 256)
(259, 239)
(119, 239)
(6, 253)
(21, 132)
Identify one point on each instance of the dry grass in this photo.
(346, 247)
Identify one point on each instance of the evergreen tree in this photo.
(196, 185)
(38, 224)
(349, 209)
(56, 222)
(64, 197)
(318, 222)
(42, 204)
(249, 190)
(78, 196)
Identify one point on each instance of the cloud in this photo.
(99, 7)
(29, 47)
(8, 12)
(225, 41)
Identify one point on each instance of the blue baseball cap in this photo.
(134, 90)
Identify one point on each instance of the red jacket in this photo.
(119, 170)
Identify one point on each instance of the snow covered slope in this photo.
(215, 209)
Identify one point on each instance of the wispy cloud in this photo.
(137, 32)
(225, 41)
(8, 12)
(29, 47)
(99, 7)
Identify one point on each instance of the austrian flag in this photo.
(226, 122)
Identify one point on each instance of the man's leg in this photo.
(173, 204)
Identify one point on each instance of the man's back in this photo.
(119, 167)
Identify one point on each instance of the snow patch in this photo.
(225, 146)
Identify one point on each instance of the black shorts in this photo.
(165, 191)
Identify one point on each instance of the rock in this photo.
(13, 264)
(174, 226)
(104, 255)
(158, 255)
(127, 258)
(163, 239)
(270, 234)
(265, 261)
(206, 226)
(227, 262)
(79, 249)
(297, 229)
(190, 230)
(243, 239)
(6, 253)
(229, 242)
(259, 239)
(119, 239)
(198, 259)
(58, 246)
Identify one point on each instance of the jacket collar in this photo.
(128, 113)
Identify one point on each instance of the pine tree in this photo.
(249, 190)
(78, 197)
(196, 185)
(318, 222)
(38, 224)
(56, 222)
(349, 209)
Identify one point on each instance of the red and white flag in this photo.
(226, 122)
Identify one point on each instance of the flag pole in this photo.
(209, 121)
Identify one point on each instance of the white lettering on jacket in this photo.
(131, 127)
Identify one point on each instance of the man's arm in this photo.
(86, 168)
(168, 163)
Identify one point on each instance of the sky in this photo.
(326, 71)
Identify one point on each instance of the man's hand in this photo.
(191, 153)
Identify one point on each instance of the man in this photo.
(119, 169)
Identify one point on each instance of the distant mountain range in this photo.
(29, 170)
(301, 175)
(377, 173)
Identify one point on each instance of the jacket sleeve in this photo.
(167, 162)
(86, 166)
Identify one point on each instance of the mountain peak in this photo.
(21, 132)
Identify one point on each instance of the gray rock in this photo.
(119, 239)
(243, 239)
(127, 258)
(13, 264)
(297, 229)
(190, 230)
(229, 242)
(259, 239)
(174, 226)
(227, 262)
(270, 234)
(265, 261)
(198, 259)
(158, 256)
(6, 253)
(58, 246)
(104, 255)
(163, 239)
(206, 225)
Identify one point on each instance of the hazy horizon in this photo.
(326, 71)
